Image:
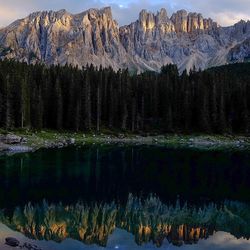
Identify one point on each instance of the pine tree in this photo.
(88, 117)
(216, 100)
(98, 100)
(124, 98)
(59, 105)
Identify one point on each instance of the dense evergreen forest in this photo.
(68, 98)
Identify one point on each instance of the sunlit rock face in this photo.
(149, 21)
(93, 36)
(180, 21)
(60, 37)
(189, 22)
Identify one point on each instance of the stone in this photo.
(60, 145)
(11, 139)
(24, 140)
(121, 136)
(13, 242)
(71, 141)
(18, 149)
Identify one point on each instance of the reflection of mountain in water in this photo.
(148, 220)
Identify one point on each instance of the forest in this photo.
(216, 100)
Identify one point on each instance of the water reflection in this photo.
(88, 193)
(107, 173)
(148, 220)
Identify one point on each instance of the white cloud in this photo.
(229, 18)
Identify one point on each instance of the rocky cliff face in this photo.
(60, 37)
(189, 22)
(93, 36)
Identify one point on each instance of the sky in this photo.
(225, 12)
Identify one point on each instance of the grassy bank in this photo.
(51, 139)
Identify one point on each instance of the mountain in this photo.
(148, 220)
(93, 36)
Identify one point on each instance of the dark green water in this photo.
(104, 173)
(217, 182)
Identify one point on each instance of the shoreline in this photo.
(118, 237)
(29, 141)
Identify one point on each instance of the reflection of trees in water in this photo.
(148, 220)
(108, 172)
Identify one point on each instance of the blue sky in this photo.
(225, 12)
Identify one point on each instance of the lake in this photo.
(126, 197)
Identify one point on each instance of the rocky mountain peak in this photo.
(107, 11)
(189, 22)
(146, 20)
(51, 15)
(162, 16)
(243, 26)
(149, 21)
(179, 20)
(62, 12)
(93, 36)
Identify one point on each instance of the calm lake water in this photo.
(126, 197)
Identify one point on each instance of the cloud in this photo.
(226, 12)
(229, 18)
(130, 11)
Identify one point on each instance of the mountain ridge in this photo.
(93, 36)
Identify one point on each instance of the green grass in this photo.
(46, 138)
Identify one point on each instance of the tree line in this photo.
(216, 100)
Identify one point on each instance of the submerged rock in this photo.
(19, 149)
(13, 242)
(30, 246)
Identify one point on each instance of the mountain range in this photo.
(155, 39)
